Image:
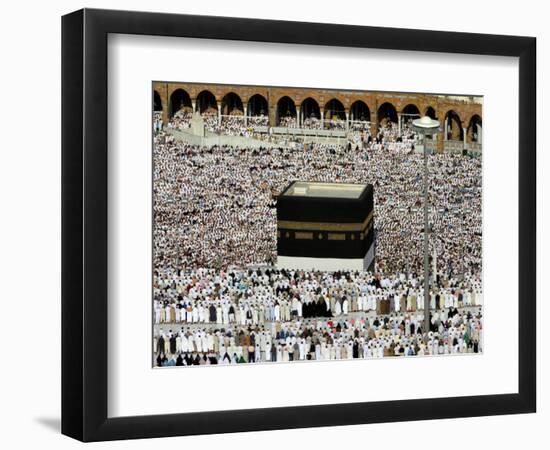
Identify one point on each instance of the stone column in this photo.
(441, 137)
(446, 132)
(440, 145)
(322, 119)
(194, 105)
(165, 100)
(165, 106)
(245, 116)
(399, 123)
(373, 124)
(298, 117)
(219, 114)
(464, 135)
(272, 112)
(347, 120)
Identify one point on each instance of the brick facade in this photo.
(464, 107)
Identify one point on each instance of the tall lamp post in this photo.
(426, 126)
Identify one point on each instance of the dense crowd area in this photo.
(231, 125)
(258, 121)
(312, 123)
(335, 124)
(395, 335)
(181, 120)
(256, 296)
(359, 125)
(215, 207)
(215, 253)
(288, 122)
(236, 125)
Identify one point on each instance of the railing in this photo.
(431, 144)
(309, 132)
(212, 139)
(453, 146)
(260, 128)
(474, 148)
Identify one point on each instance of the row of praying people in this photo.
(451, 332)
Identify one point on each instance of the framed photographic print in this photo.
(276, 225)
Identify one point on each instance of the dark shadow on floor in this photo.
(53, 423)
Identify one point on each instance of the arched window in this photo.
(360, 111)
(386, 113)
(410, 112)
(310, 114)
(257, 105)
(474, 129)
(232, 105)
(206, 103)
(157, 102)
(334, 110)
(179, 99)
(310, 109)
(430, 112)
(454, 130)
(286, 112)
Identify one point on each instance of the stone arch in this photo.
(232, 105)
(285, 108)
(206, 102)
(157, 102)
(257, 105)
(386, 113)
(359, 110)
(454, 130)
(180, 99)
(334, 109)
(310, 109)
(410, 112)
(430, 112)
(474, 129)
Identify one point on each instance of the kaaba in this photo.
(325, 226)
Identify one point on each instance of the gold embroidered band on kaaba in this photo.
(325, 226)
(303, 235)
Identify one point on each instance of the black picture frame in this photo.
(84, 224)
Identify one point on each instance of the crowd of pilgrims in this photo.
(334, 124)
(215, 217)
(235, 125)
(232, 125)
(252, 297)
(288, 122)
(312, 123)
(394, 335)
